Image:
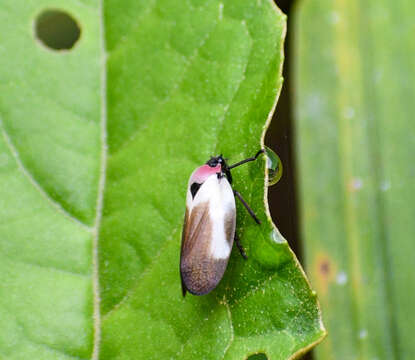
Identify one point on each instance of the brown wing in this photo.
(200, 272)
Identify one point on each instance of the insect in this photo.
(209, 225)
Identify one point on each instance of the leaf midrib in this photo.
(101, 186)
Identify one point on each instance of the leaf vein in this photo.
(145, 271)
(228, 310)
(55, 204)
(174, 88)
(100, 193)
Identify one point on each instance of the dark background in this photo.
(280, 138)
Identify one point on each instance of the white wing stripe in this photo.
(218, 193)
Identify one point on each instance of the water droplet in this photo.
(341, 278)
(348, 112)
(385, 185)
(334, 17)
(363, 334)
(276, 236)
(274, 166)
(356, 183)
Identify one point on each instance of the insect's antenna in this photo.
(247, 160)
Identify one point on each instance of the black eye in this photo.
(194, 188)
(213, 162)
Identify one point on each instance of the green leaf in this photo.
(97, 145)
(356, 142)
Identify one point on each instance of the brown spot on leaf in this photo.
(324, 270)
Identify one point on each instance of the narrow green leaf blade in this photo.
(354, 105)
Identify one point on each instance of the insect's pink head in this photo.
(215, 165)
(203, 172)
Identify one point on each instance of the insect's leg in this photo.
(247, 160)
(239, 196)
(240, 247)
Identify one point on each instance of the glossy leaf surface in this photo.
(97, 145)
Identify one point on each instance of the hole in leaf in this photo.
(57, 29)
(259, 356)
